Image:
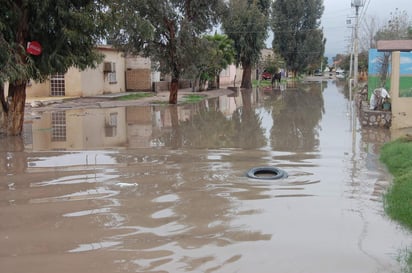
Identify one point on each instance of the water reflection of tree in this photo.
(208, 127)
(248, 124)
(295, 124)
(13, 159)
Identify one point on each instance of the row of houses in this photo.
(116, 74)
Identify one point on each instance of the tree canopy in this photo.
(220, 55)
(166, 31)
(297, 36)
(246, 24)
(67, 31)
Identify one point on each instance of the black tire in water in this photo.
(266, 173)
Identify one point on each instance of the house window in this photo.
(57, 85)
(112, 77)
(58, 126)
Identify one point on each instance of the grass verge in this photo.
(135, 96)
(193, 98)
(261, 83)
(397, 155)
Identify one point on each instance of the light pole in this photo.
(356, 4)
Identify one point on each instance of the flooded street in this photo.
(163, 189)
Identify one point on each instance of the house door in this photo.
(57, 85)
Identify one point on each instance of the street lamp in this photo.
(356, 4)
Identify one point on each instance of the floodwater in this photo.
(163, 189)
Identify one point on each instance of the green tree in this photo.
(221, 55)
(246, 24)
(166, 31)
(297, 36)
(67, 31)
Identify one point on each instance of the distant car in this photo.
(266, 75)
(340, 74)
(318, 73)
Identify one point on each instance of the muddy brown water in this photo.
(163, 189)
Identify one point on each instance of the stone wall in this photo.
(373, 118)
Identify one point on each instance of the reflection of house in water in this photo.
(80, 129)
(139, 126)
(133, 127)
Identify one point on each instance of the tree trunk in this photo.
(247, 77)
(12, 116)
(174, 87)
(176, 139)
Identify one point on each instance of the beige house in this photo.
(231, 76)
(115, 74)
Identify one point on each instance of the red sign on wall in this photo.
(34, 48)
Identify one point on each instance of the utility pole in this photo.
(349, 22)
(356, 4)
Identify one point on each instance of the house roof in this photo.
(395, 45)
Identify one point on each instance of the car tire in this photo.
(266, 173)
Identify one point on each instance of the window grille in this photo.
(112, 77)
(58, 126)
(57, 85)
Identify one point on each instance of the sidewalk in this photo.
(108, 100)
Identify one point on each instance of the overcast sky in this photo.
(336, 12)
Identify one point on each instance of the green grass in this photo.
(261, 83)
(135, 96)
(193, 98)
(265, 83)
(397, 156)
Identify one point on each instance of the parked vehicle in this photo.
(340, 73)
(318, 72)
(266, 75)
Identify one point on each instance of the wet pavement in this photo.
(159, 188)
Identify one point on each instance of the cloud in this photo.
(375, 60)
(406, 59)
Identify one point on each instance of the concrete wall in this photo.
(137, 62)
(74, 85)
(37, 89)
(401, 106)
(118, 58)
(230, 75)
